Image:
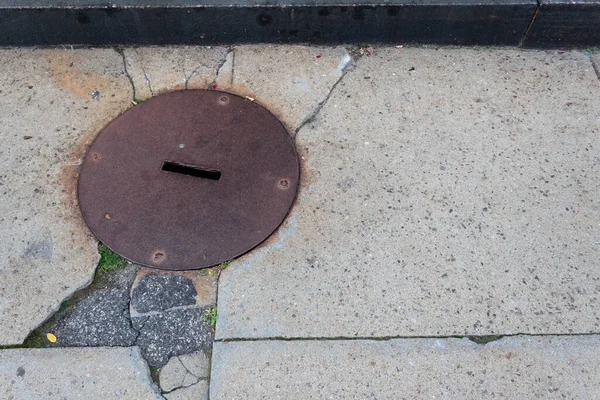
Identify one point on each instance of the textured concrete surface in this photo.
(444, 192)
(184, 371)
(290, 81)
(99, 373)
(512, 368)
(53, 103)
(155, 70)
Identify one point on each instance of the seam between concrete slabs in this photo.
(385, 338)
(596, 68)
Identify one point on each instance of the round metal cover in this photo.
(188, 179)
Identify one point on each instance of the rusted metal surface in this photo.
(188, 179)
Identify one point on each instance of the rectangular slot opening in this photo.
(191, 170)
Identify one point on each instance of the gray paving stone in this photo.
(512, 368)
(444, 192)
(196, 363)
(170, 333)
(98, 373)
(156, 70)
(185, 370)
(159, 292)
(53, 102)
(290, 81)
(172, 374)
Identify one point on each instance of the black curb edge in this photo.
(462, 22)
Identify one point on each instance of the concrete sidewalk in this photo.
(445, 193)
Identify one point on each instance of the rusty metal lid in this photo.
(188, 179)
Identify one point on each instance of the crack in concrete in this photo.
(148, 82)
(230, 50)
(349, 64)
(526, 33)
(232, 68)
(122, 54)
(188, 370)
(190, 385)
(181, 385)
(194, 72)
(479, 339)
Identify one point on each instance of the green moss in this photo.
(224, 265)
(109, 260)
(154, 375)
(306, 121)
(593, 50)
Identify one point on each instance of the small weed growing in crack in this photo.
(109, 260)
(215, 270)
(224, 265)
(593, 50)
(361, 50)
(210, 316)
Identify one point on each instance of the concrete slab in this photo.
(53, 103)
(290, 81)
(444, 192)
(518, 367)
(156, 70)
(99, 373)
